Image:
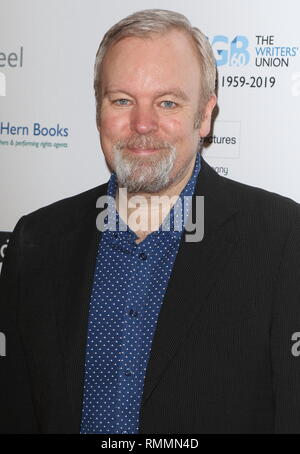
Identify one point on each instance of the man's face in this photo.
(150, 105)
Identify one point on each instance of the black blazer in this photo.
(221, 358)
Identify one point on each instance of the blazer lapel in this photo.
(197, 265)
(77, 260)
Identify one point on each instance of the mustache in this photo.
(143, 142)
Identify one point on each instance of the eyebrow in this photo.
(176, 92)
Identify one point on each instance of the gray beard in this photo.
(149, 174)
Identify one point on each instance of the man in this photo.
(140, 330)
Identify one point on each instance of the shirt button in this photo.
(143, 256)
(128, 372)
(133, 313)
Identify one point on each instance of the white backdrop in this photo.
(49, 145)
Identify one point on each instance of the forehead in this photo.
(152, 64)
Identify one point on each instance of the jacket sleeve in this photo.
(285, 337)
(16, 408)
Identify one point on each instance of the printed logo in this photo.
(231, 52)
(9, 60)
(267, 52)
(4, 239)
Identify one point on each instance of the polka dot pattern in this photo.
(130, 281)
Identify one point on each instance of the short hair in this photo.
(158, 21)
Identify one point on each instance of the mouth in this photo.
(143, 150)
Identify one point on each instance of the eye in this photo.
(121, 102)
(168, 104)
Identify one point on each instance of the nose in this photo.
(144, 120)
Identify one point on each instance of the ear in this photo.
(98, 120)
(206, 121)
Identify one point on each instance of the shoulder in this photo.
(62, 215)
(264, 211)
(258, 209)
(257, 199)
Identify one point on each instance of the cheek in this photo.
(112, 125)
(174, 127)
(182, 130)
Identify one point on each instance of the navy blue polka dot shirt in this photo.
(129, 284)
